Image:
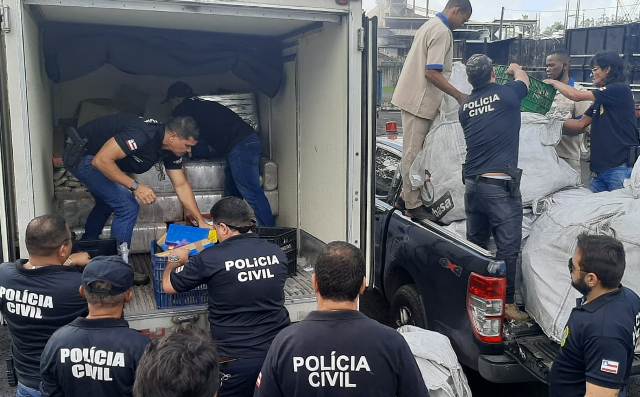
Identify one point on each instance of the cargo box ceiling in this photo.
(171, 39)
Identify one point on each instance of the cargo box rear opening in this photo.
(303, 124)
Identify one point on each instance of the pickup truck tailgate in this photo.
(530, 347)
(142, 314)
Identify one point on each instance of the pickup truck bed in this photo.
(142, 314)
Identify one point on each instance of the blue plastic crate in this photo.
(197, 296)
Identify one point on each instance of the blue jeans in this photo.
(242, 178)
(611, 179)
(243, 374)
(110, 198)
(24, 391)
(491, 210)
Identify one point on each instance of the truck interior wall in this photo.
(284, 118)
(323, 130)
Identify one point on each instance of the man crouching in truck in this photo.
(245, 278)
(491, 122)
(120, 144)
(598, 342)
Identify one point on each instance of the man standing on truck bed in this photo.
(422, 84)
(40, 295)
(491, 121)
(245, 278)
(569, 147)
(598, 343)
(120, 144)
(225, 134)
(337, 351)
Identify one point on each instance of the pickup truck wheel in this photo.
(407, 307)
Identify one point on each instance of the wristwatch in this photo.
(134, 186)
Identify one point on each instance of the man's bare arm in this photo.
(576, 126)
(185, 194)
(599, 391)
(570, 92)
(182, 256)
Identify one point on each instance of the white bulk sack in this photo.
(438, 363)
(437, 170)
(549, 295)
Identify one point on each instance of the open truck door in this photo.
(369, 45)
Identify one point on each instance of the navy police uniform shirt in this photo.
(245, 278)
(220, 127)
(597, 345)
(491, 122)
(613, 126)
(140, 140)
(35, 303)
(339, 353)
(96, 358)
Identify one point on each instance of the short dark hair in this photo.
(45, 234)
(235, 213)
(183, 364)
(562, 54)
(98, 294)
(479, 70)
(611, 60)
(463, 5)
(604, 256)
(339, 271)
(185, 126)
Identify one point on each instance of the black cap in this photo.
(109, 269)
(179, 89)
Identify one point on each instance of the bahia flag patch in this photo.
(132, 144)
(609, 366)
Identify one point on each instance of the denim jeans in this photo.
(110, 198)
(611, 179)
(24, 391)
(491, 210)
(243, 374)
(242, 178)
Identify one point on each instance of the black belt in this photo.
(493, 181)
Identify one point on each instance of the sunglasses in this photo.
(572, 267)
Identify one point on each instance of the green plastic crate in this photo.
(540, 97)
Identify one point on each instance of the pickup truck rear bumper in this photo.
(503, 369)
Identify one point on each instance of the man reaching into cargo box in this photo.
(120, 144)
(423, 82)
(598, 343)
(337, 351)
(491, 122)
(558, 68)
(245, 278)
(225, 134)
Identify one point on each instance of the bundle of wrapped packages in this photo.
(549, 296)
(437, 170)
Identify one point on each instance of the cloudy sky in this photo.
(553, 9)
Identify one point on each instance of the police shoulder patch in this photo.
(609, 366)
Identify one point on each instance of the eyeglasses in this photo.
(572, 267)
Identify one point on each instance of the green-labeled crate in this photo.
(540, 97)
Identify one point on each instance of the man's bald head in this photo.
(46, 234)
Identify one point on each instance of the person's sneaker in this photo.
(512, 312)
(420, 214)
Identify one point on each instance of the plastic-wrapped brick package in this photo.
(74, 207)
(143, 235)
(205, 176)
(206, 200)
(272, 196)
(166, 208)
(269, 173)
(549, 295)
(437, 170)
(156, 178)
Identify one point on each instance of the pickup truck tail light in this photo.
(485, 303)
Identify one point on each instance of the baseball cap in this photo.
(179, 89)
(479, 68)
(108, 269)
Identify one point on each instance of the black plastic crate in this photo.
(197, 296)
(287, 239)
(102, 247)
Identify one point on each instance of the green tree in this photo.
(555, 27)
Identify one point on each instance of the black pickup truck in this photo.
(437, 280)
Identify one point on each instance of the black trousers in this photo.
(243, 374)
(491, 210)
